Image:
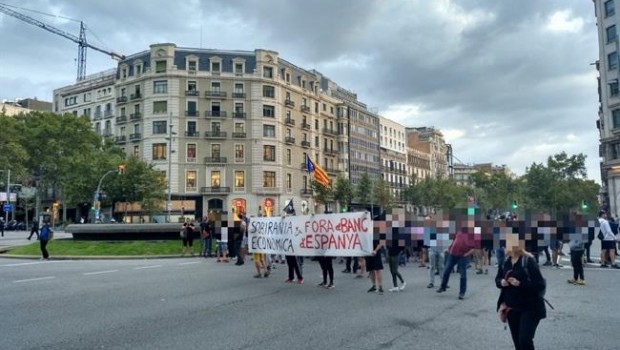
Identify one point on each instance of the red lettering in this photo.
(332, 242)
(356, 242)
(324, 241)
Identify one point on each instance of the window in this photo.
(239, 108)
(269, 131)
(239, 179)
(136, 151)
(615, 117)
(288, 156)
(316, 124)
(316, 141)
(191, 65)
(191, 86)
(160, 67)
(288, 77)
(138, 69)
(215, 67)
(87, 97)
(269, 153)
(190, 152)
(216, 127)
(160, 107)
(238, 68)
(238, 88)
(613, 88)
(612, 60)
(215, 150)
(269, 91)
(610, 8)
(267, 72)
(159, 127)
(159, 151)
(216, 87)
(239, 127)
(289, 182)
(123, 111)
(190, 180)
(191, 128)
(269, 111)
(269, 179)
(611, 34)
(324, 107)
(216, 178)
(87, 112)
(239, 153)
(191, 108)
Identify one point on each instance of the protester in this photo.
(577, 246)
(374, 265)
(458, 254)
(187, 236)
(394, 253)
(327, 268)
(520, 299)
(608, 242)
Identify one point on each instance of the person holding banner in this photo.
(293, 269)
(328, 269)
(374, 265)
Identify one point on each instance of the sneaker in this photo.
(479, 272)
(461, 296)
(372, 289)
(441, 290)
(615, 266)
(380, 290)
(430, 285)
(288, 281)
(581, 282)
(346, 271)
(394, 289)
(558, 266)
(258, 275)
(547, 263)
(322, 284)
(330, 286)
(572, 281)
(266, 274)
(403, 286)
(300, 281)
(604, 266)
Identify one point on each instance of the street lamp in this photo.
(97, 201)
(169, 138)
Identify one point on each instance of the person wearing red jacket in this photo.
(458, 254)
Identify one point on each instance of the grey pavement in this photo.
(198, 303)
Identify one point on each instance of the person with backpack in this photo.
(521, 301)
(44, 237)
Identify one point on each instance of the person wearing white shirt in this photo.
(608, 243)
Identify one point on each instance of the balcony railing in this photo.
(327, 131)
(218, 114)
(238, 95)
(215, 94)
(108, 114)
(305, 125)
(135, 96)
(240, 115)
(305, 192)
(305, 109)
(135, 116)
(306, 144)
(135, 136)
(216, 160)
(215, 189)
(289, 103)
(289, 121)
(121, 139)
(98, 115)
(330, 170)
(192, 133)
(289, 140)
(121, 99)
(304, 166)
(192, 113)
(215, 134)
(121, 119)
(331, 152)
(239, 135)
(192, 93)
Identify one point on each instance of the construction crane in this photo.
(81, 40)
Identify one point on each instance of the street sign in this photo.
(8, 207)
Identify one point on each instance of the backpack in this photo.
(541, 293)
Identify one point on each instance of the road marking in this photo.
(99, 272)
(35, 279)
(190, 263)
(24, 264)
(146, 267)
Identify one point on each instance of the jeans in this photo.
(436, 262)
(523, 326)
(461, 261)
(393, 260)
(576, 257)
(207, 244)
(43, 243)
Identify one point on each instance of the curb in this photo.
(98, 257)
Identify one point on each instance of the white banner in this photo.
(343, 234)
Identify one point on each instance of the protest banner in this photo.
(342, 234)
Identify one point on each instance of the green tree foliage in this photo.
(322, 195)
(437, 193)
(383, 195)
(343, 191)
(364, 190)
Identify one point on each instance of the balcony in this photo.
(215, 160)
(106, 132)
(192, 133)
(305, 144)
(330, 132)
(121, 119)
(215, 94)
(108, 114)
(215, 189)
(98, 115)
(192, 93)
(305, 109)
(215, 134)
(238, 95)
(305, 126)
(289, 103)
(304, 166)
(135, 116)
(135, 96)
(289, 140)
(192, 113)
(330, 170)
(135, 136)
(121, 139)
(215, 114)
(121, 99)
(331, 152)
(290, 121)
(305, 192)
(239, 135)
(240, 115)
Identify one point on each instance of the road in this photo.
(194, 303)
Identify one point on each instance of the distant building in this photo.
(393, 143)
(463, 172)
(435, 144)
(24, 106)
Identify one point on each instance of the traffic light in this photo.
(584, 205)
(343, 209)
(121, 169)
(515, 204)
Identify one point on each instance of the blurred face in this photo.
(513, 244)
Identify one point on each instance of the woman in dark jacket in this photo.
(521, 285)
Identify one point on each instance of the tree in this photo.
(383, 194)
(343, 191)
(322, 195)
(364, 190)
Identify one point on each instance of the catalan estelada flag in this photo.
(319, 174)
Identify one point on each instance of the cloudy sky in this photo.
(508, 82)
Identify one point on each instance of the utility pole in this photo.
(8, 195)
(97, 202)
(169, 203)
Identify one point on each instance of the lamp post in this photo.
(8, 193)
(97, 203)
(169, 202)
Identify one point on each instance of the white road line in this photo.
(146, 267)
(25, 264)
(98, 272)
(190, 263)
(35, 279)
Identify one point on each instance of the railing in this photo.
(121, 99)
(305, 125)
(215, 93)
(305, 192)
(98, 115)
(135, 116)
(305, 109)
(327, 131)
(192, 113)
(121, 119)
(121, 139)
(215, 134)
(192, 133)
(215, 160)
(240, 115)
(239, 135)
(192, 93)
(220, 114)
(238, 95)
(331, 152)
(135, 136)
(135, 96)
(290, 140)
(215, 189)
(290, 121)
(108, 114)
(289, 103)
(306, 144)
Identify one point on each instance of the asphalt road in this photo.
(195, 303)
